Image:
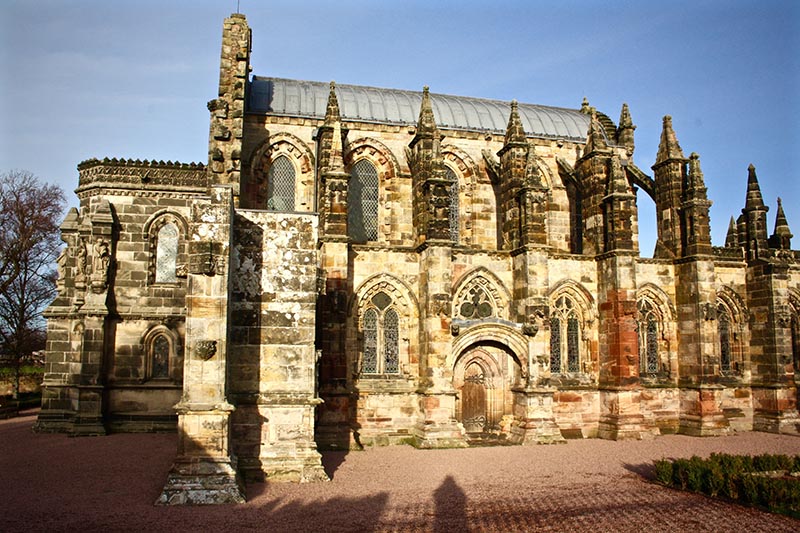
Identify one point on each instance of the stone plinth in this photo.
(203, 472)
(534, 422)
(701, 415)
(621, 417)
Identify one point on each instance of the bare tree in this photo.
(30, 212)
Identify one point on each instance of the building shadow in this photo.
(644, 470)
(450, 508)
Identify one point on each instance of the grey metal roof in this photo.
(277, 96)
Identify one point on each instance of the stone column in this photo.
(204, 471)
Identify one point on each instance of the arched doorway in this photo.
(483, 377)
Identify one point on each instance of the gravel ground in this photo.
(57, 483)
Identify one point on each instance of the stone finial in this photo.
(668, 147)
(626, 129)
(332, 110)
(754, 200)
(427, 122)
(585, 108)
(595, 137)
(515, 133)
(732, 237)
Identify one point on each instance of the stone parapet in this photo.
(150, 174)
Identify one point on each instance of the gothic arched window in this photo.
(381, 329)
(167, 254)
(796, 344)
(565, 337)
(161, 349)
(167, 259)
(453, 178)
(281, 185)
(729, 332)
(362, 202)
(649, 331)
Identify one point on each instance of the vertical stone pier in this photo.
(204, 471)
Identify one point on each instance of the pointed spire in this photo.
(781, 224)
(754, 199)
(515, 133)
(782, 236)
(332, 111)
(595, 139)
(731, 239)
(426, 122)
(625, 129)
(668, 148)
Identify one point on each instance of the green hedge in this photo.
(769, 481)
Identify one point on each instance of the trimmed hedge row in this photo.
(769, 481)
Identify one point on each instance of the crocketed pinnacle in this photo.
(625, 129)
(595, 139)
(332, 110)
(732, 237)
(781, 224)
(668, 147)
(427, 122)
(515, 133)
(754, 199)
(696, 185)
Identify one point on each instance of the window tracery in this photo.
(649, 330)
(453, 178)
(475, 304)
(381, 336)
(362, 202)
(565, 336)
(794, 309)
(730, 333)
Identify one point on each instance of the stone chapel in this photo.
(355, 266)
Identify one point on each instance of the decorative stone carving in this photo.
(205, 350)
(709, 311)
(101, 258)
(530, 329)
(81, 262)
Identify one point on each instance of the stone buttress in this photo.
(437, 426)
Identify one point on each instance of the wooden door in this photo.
(473, 399)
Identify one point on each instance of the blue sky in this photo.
(85, 79)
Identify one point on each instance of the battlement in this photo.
(125, 172)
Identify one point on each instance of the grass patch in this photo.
(24, 370)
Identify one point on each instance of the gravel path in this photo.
(57, 483)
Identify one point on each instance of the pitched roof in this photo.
(295, 98)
